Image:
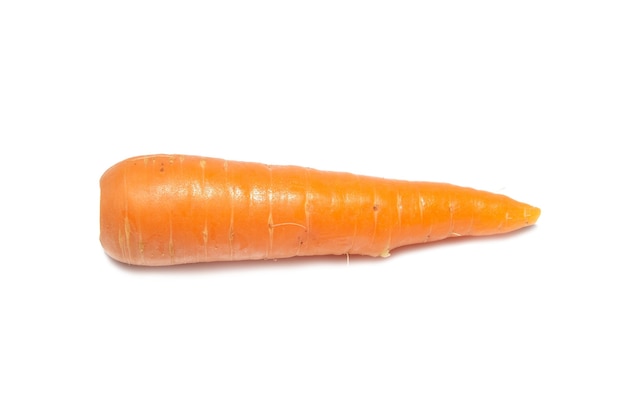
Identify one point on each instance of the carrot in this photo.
(175, 209)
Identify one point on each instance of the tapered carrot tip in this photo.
(533, 215)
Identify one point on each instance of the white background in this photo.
(522, 98)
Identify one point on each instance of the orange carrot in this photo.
(174, 209)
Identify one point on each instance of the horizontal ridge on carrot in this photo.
(175, 209)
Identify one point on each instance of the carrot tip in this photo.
(533, 215)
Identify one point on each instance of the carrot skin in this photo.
(174, 209)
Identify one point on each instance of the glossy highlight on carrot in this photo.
(160, 210)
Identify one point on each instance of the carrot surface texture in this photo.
(175, 209)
